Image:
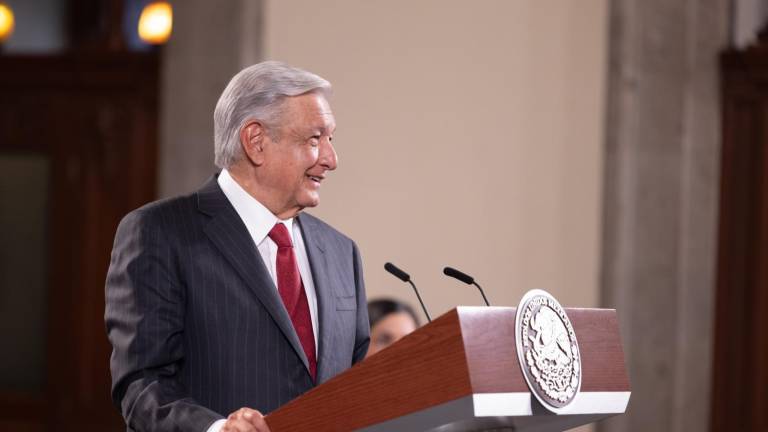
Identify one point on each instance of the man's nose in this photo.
(328, 158)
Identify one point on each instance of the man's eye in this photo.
(314, 140)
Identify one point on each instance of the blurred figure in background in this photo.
(390, 320)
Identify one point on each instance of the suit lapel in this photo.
(228, 232)
(317, 262)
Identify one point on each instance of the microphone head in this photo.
(452, 272)
(403, 276)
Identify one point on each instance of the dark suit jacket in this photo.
(197, 326)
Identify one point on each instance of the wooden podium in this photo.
(461, 373)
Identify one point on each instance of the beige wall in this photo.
(469, 134)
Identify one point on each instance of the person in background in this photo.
(390, 321)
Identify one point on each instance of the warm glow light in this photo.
(156, 22)
(6, 22)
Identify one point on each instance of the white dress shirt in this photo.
(259, 222)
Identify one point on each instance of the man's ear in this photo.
(252, 136)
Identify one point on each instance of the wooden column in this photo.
(740, 386)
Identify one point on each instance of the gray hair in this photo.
(257, 93)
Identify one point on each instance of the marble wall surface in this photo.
(660, 205)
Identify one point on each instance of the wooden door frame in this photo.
(740, 380)
(108, 168)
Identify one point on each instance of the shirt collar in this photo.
(257, 218)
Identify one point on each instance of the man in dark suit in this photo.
(229, 301)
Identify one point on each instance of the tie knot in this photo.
(279, 235)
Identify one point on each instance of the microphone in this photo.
(405, 277)
(467, 279)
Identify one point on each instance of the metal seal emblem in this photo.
(547, 350)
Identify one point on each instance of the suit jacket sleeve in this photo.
(362, 333)
(145, 322)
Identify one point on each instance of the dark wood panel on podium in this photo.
(461, 373)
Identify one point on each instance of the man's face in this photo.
(295, 166)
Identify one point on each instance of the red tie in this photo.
(292, 292)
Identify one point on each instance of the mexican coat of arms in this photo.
(547, 350)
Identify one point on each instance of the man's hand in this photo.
(245, 420)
